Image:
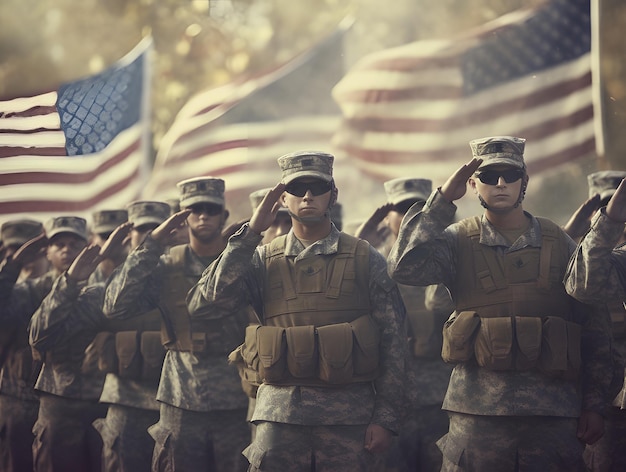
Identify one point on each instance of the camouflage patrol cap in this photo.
(257, 196)
(105, 221)
(605, 183)
(201, 190)
(404, 188)
(499, 150)
(17, 232)
(66, 224)
(146, 212)
(300, 164)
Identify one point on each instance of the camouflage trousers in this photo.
(511, 444)
(415, 449)
(609, 453)
(65, 438)
(298, 448)
(126, 444)
(191, 441)
(17, 417)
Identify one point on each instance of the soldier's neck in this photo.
(311, 232)
(207, 248)
(511, 220)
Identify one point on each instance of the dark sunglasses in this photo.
(206, 208)
(491, 177)
(317, 188)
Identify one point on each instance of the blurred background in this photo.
(206, 43)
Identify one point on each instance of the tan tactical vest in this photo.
(318, 329)
(512, 311)
(179, 331)
(424, 334)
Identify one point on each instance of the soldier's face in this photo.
(312, 203)
(63, 249)
(206, 221)
(500, 191)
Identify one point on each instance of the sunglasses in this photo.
(491, 177)
(317, 188)
(206, 208)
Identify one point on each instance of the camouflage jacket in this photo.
(597, 269)
(425, 254)
(18, 302)
(240, 270)
(61, 329)
(191, 381)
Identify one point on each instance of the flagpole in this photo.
(597, 80)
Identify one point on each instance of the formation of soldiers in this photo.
(163, 337)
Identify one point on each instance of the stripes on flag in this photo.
(412, 110)
(237, 131)
(80, 148)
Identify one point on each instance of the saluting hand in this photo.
(265, 214)
(165, 232)
(456, 186)
(580, 221)
(85, 263)
(616, 209)
(116, 239)
(31, 250)
(370, 230)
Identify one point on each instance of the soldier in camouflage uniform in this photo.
(528, 357)
(103, 223)
(131, 354)
(18, 403)
(328, 357)
(61, 332)
(596, 275)
(202, 406)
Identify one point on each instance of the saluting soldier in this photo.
(202, 406)
(529, 385)
(328, 355)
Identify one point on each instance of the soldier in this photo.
(202, 407)
(328, 355)
(596, 275)
(103, 224)
(18, 402)
(427, 310)
(62, 331)
(66, 237)
(524, 351)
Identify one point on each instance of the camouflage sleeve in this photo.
(595, 270)
(599, 360)
(389, 312)
(231, 282)
(66, 311)
(133, 288)
(424, 252)
(17, 301)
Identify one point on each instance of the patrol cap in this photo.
(605, 183)
(257, 196)
(316, 164)
(499, 150)
(105, 221)
(405, 188)
(66, 224)
(201, 190)
(17, 232)
(144, 212)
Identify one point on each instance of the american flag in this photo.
(80, 148)
(411, 110)
(237, 131)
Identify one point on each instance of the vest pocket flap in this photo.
(494, 343)
(153, 354)
(528, 332)
(367, 341)
(272, 352)
(301, 351)
(335, 348)
(554, 344)
(127, 349)
(249, 348)
(458, 337)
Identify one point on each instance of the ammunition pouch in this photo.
(328, 355)
(550, 344)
